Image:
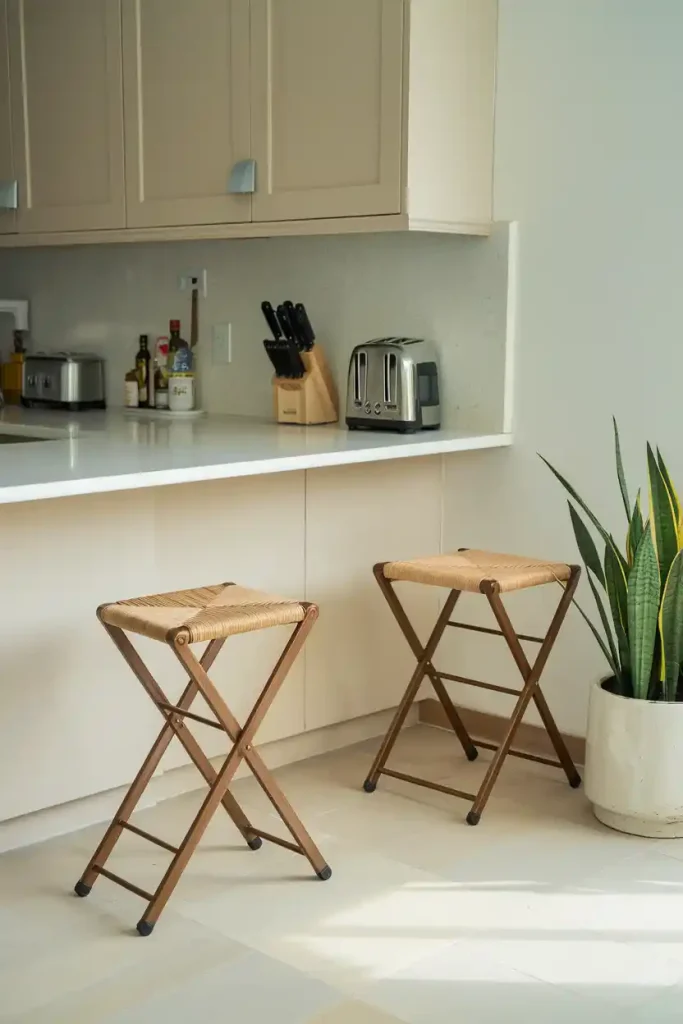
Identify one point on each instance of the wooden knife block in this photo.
(312, 398)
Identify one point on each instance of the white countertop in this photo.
(114, 451)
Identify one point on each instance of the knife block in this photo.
(310, 399)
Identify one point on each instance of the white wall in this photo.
(450, 289)
(589, 158)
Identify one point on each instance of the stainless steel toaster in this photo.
(394, 385)
(63, 380)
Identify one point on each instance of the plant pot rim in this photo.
(600, 685)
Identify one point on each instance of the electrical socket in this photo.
(185, 281)
(221, 347)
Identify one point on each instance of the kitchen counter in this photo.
(88, 453)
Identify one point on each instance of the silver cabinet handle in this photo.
(9, 195)
(243, 177)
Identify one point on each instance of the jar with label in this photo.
(131, 390)
(181, 392)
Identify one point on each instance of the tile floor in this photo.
(538, 915)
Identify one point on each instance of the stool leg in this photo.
(264, 777)
(242, 749)
(197, 755)
(531, 675)
(149, 766)
(418, 675)
(411, 636)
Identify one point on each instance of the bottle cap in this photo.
(174, 325)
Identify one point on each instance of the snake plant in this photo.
(638, 591)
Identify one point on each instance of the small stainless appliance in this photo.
(394, 385)
(63, 380)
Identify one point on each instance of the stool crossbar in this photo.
(180, 619)
(489, 574)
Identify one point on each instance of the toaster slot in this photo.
(360, 378)
(390, 379)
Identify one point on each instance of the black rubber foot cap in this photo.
(472, 754)
(472, 818)
(81, 889)
(145, 928)
(255, 844)
(575, 782)
(325, 873)
(369, 786)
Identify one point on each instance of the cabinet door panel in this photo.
(357, 662)
(67, 114)
(327, 80)
(186, 82)
(7, 174)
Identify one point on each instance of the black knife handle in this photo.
(271, 319)
(284, 323)
(305, 323)
(296, 327)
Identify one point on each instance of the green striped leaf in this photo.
(663, 517)
(620, 470)
(635, 531)
(617, 589)
(643, 613)
(669, 485)
(614, 657)
(586, 545)
(608, 539)
(579, 501)
(671, 628)
(601, 643)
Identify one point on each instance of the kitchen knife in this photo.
(296, 327)
(296, 365)
(283, 319)
(305, 326)
(270, 346)
(271, 319)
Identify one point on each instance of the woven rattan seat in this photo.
(467, 570)
(205, 613)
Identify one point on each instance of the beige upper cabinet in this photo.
(186, 87)
(133, 115)
(66, 111)
(327, 82)
(8, 178)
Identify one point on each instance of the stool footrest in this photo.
(124, 883)
(270, 838)
(148, 836)
(494, 632)
(189, 714)
(477, 682)
(519, 753)
(427, 784)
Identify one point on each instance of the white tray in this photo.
(164, 414)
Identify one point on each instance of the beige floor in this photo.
(537, 915)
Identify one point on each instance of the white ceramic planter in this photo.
(634, 774)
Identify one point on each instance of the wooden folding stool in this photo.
(179, 619)
(492, 575)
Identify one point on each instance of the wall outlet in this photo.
(185, 282)
(221, 346)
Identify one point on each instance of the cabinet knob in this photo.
(9, 195)
(243, 177)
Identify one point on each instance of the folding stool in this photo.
(179, 619)
(492, 575)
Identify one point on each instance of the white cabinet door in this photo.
(67, 115)
(8, 179)
(186, 85)
(327, 80)
(357, 661)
